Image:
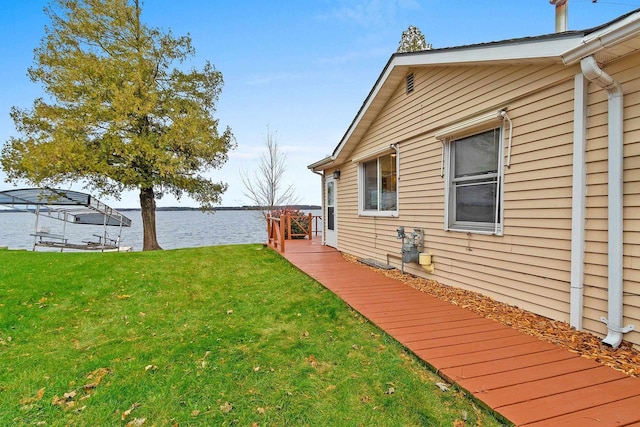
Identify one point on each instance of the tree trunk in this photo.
(148, 211)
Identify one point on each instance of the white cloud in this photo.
(368, 13)
(263, 79)
(354, 56)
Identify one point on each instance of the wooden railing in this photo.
(280, 229)
(275, 232)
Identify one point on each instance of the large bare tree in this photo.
(266, 187)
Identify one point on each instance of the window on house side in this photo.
(474, 183)
(379, 185)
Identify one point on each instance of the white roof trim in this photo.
(518, 50)
(321, 164)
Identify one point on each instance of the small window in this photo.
(474, 181)
(378, 186)
(409, 83)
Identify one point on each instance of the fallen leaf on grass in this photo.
(97, 377)
(391, 390)
(151, 368)
(458, 423)
(311, 360)
(126, 413)
(443, 386)
(136, 422)
(98, 374)
(226, 408)
(195, 412)
(38, 396)
(261, 411)
(123, 296)
(203, 362)
(57, 401)
(64, 402)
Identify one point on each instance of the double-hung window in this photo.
(474, 182)
(379, 186)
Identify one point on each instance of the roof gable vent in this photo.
(410, 83)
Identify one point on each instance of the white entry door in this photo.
(330, 212)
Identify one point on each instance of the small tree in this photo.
(266, 187)
(412, 41)
(117, 115)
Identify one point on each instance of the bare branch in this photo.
(265, 188)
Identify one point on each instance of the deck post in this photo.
(287, 217)
(310, 231)
(283, 219)
(268, 227)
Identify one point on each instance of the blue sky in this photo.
(300, 69)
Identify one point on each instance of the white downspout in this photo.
(578, 201)
(615, 144)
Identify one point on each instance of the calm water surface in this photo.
(175, 229)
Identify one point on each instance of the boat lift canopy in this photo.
(68, 206)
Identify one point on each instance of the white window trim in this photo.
(371, 155)
(472, 227)
(472, 126)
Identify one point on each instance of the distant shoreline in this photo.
(186, 208)
(225, 208)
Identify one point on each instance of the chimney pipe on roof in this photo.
(562, 14)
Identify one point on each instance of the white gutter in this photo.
(578, 201)
(615, 144)
(609, 36)
(323, 164)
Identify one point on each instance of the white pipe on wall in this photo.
(578, 201)
(615, 144)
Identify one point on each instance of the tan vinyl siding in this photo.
(529, 266)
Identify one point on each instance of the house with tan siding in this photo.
(514, 164)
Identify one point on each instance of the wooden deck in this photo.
(525, 380)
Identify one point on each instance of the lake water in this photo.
(175, 229)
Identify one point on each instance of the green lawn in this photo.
(227, 335)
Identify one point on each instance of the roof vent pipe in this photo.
(615, 144)
(562, 14)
